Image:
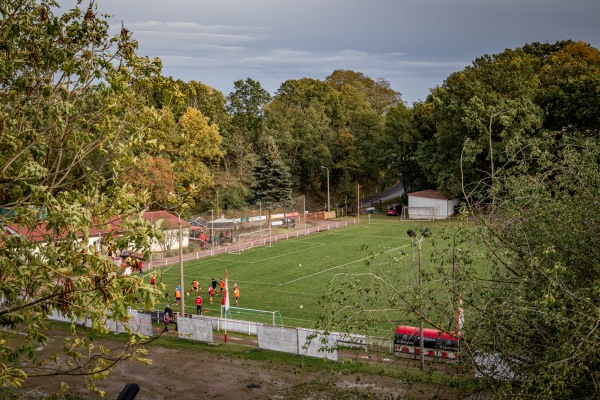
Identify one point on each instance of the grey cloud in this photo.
(414, 44)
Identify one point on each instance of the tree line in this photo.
(362, 131)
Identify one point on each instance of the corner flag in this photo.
(226, 291)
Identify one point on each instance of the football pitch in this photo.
(292, 275)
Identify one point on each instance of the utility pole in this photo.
(304, 211)
(412, 235)
(328, 199)
(212, 230)
(358, 203)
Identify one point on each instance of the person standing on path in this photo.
(167, 319)
(199, 305)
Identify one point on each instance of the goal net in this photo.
(259, 316)
(254, 239)
(418, 213)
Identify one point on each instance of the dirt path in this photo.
(201, 374)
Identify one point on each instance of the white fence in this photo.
(137, 323)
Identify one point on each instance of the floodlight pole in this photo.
(260, 223)
(358, 203)
(328, 202)
(304, 212)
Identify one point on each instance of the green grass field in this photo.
(291, 275)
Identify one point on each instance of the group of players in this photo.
(212, 291)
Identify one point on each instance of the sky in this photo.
(413, 44)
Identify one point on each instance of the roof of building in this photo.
(393, 192)
(430, 194)
(40, 231)
(220, 223)
(169, 220)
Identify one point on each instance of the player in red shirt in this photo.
(199, 305)
(211, 292)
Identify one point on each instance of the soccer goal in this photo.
(247, 314)
(254, 239)
(418, 213)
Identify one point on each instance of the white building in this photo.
(429, 205)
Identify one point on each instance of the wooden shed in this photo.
(429, 205)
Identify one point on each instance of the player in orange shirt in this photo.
(195, 286)
(222, 283)
(236, 293)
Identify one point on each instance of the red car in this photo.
(395, 209)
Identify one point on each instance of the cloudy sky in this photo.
(413, 44)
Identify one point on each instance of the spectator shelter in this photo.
(429, 205)
(221, 229)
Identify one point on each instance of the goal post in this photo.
(418, 213)
(259, 316)
(253, 239)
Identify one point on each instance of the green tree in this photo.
(539, 309)
(273, 186)
(300, 119)
(570, 90)
(210, 102)
(246, 107)
(397, 147)
(193, 147)
(482, 114)
(70, 114)
(379, 94)
(366, 103)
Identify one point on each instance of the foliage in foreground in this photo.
(69, 116)
(539, 311)
(529, 276)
